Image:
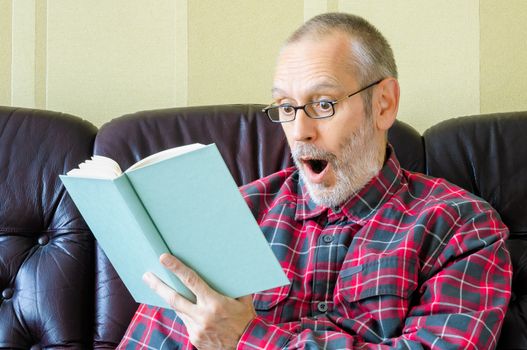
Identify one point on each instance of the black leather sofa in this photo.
(58, 290)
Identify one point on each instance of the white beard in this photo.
(358, 164)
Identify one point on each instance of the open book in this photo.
(183, 201)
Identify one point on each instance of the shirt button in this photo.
(327, 238)
(322, 306)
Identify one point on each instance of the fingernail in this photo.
(165, 259)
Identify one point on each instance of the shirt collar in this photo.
(360, 205)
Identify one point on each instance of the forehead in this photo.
(315, 61)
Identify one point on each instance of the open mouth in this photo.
(316, 165)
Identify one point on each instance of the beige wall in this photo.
(503, 56)
(107, 58)
(232, 48)
(5, 52)
(101, 59)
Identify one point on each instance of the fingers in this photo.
(214, 317)
(173, 298)
(187, 276)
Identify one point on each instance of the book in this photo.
(183, 201)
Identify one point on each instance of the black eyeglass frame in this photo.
(332, 103)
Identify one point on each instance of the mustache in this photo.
(305, 150)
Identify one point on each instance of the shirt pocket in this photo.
(269, 299)
(391, 275)
(375, 296)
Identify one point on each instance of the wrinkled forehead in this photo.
(322, 60)
(335, 41)
(333, 44)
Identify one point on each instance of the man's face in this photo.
(337, 156)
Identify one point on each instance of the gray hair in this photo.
(371, 55)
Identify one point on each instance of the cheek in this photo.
(336, 136)
(288, 131)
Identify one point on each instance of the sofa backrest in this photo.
(46, 250)
(486, 154)
(250, 144)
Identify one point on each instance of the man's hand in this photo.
(215, 321)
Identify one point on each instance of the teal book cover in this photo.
(188, 205)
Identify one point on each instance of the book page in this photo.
(98, 167)
(169, 153)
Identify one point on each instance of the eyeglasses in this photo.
(316, 110)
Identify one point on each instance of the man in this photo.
(378, 257)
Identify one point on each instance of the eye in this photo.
(324, 106)
(287, 109)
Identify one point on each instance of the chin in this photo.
(328, 196)
(327, 199)
(346, 185)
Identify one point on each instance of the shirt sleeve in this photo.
(460, 304)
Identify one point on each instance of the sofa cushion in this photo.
(46, 250)
(486, 155)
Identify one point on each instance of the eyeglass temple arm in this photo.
(366, 87)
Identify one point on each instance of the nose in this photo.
(304, 128)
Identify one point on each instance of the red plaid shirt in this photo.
(410, 262)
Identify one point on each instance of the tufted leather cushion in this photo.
(46, 250)
(408, 145)
(251, 146)
(486, 154)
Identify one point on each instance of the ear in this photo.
(386, 103)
